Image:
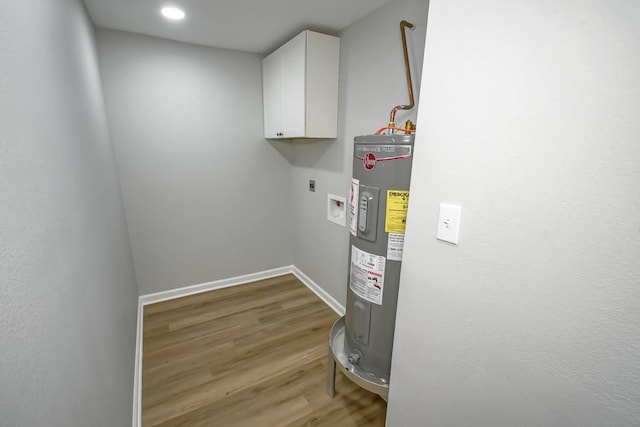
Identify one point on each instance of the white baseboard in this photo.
(210, 286)
(137, 371)
(204, 287)
(321, 293)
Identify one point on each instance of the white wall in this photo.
(372, 82)
(531, 125)
(67, 292)
(206, 197)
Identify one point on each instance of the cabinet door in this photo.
(271, 97)
(293, 87)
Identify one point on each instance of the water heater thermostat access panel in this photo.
(368, 212)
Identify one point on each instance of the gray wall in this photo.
(67, 292)
(372, 82)
(531, 125)
(206, 197)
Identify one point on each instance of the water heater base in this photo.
(338, 356)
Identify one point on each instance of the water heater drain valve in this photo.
(354, 357)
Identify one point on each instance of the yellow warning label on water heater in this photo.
(396, 216)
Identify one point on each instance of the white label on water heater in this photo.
(395, 245)
(367, 275)
(354, 191)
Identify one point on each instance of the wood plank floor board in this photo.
(249, 355)
(259, 399)
(219, 329)
(171, 309)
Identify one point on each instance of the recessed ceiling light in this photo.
(172, 13)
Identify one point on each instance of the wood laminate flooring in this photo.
(249, 355)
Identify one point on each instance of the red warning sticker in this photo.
(367, 275)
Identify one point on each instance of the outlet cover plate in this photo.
(449, 223)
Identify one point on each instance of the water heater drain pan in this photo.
(362, 378)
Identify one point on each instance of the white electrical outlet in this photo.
(449, 223)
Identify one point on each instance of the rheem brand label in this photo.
(371, 155)
(369, 161)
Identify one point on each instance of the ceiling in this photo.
(258, 26)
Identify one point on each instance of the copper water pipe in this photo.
(392, 117)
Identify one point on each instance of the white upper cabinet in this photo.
(300, 88)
